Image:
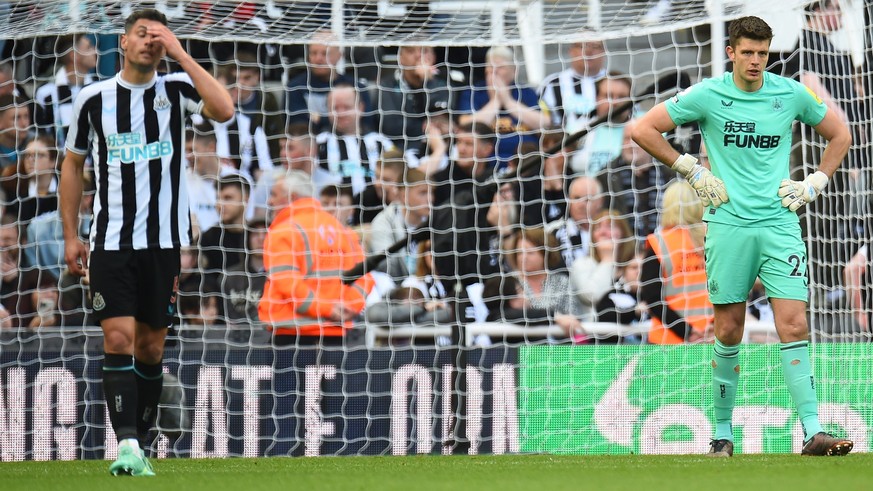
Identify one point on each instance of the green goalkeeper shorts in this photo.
(736, 255)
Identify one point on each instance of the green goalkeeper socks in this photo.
(801, 385)
(725, 375)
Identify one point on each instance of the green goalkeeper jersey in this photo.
(748, 140)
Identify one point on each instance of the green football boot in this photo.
(130, 463)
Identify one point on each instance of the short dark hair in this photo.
(9, 101)
(147, 14)
(66, 44)
(613, 76)
(749, 27)
(247, 60)
(816, 6)
(203, 132)
(234, 181)
(335, 191)
(392, 159)
(481, 131)
(297, 130)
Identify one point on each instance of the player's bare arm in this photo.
(839, 138)
(217, 104)
(648, 133)
(795, 194)
(70, 191)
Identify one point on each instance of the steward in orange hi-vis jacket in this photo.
(305, 253)
(684, 283)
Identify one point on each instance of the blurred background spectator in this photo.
(32, 184)
(348, 149)
(635, 183)
(501, 103)
(14, 129)
(416, 93)
(593, 276)
(77, 57)
(571, 95)
(306, 93)
(243, 284)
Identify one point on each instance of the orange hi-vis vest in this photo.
(684, 274)
(305, 252)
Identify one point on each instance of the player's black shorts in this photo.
(138, 283)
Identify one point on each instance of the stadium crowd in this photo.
(502, 217)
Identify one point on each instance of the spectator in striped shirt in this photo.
(570, 96)
(306, 93)
(32, 187)
(54, 101)
(349, 149)
(241, 141)
(584, 201)
(259, 105)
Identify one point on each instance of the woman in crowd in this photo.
(32, 185)
(593, 276)
(536, 261)
(505, 300)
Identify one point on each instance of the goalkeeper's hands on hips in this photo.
(710, 188)
(795, 194)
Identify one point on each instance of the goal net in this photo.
(429, 368)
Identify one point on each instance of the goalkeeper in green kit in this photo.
(745, 118)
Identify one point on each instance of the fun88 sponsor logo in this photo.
(129, 147)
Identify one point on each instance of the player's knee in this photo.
(794, 331)
(149, 352)
(117, 341)
(793, 328)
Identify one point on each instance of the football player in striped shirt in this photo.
(133, 126)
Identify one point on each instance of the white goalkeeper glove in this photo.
(710, 188)
(795, 194)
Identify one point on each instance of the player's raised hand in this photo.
(795, 194)
(163, 36)
(711, 189)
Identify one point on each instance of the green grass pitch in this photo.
(479, 473)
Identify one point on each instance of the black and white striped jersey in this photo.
(135, 134)
(244, 143)
(351, 158)
(570, 98)
(54, 105)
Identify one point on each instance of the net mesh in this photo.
(407, 380)
(374, 23)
